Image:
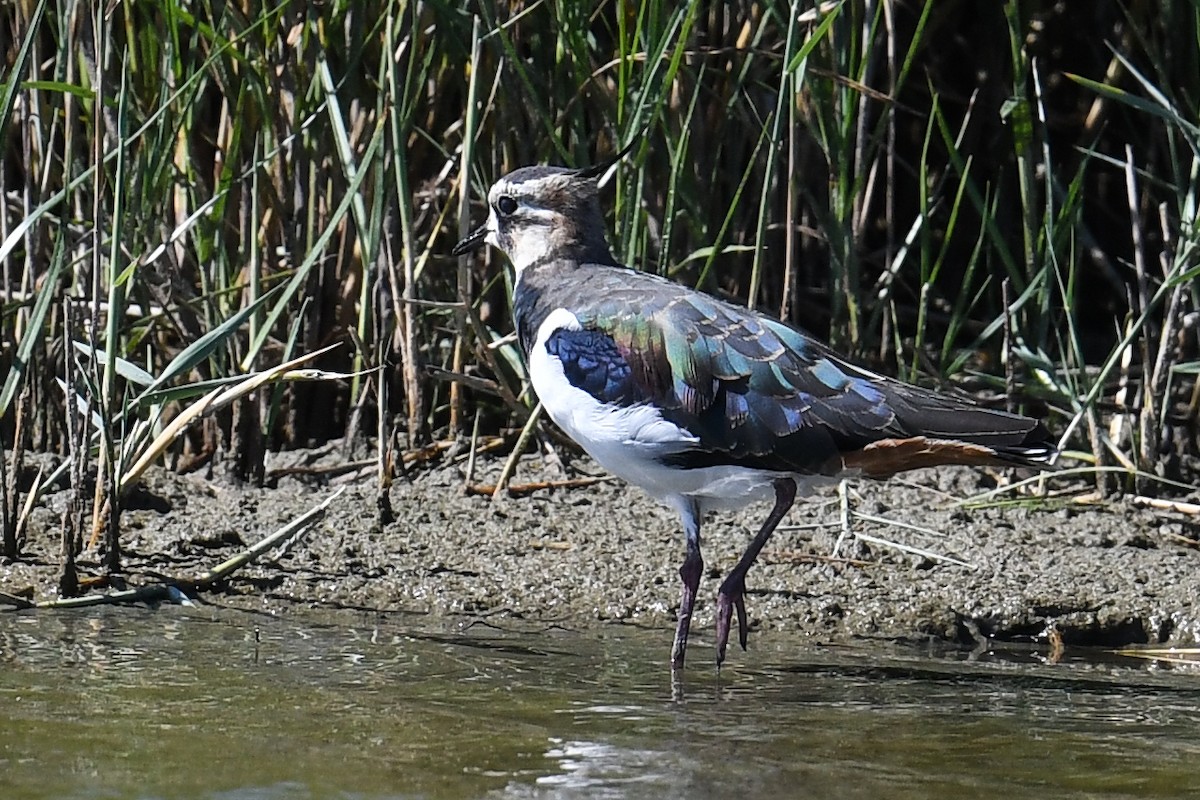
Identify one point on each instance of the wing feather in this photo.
(753, 390)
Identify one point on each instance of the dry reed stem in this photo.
(1178, 506)
(172, 590)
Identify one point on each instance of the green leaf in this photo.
(126, 369)
(1162, 109)
(318, 249)
(11, 87)
(200, 349)
(126, 273)
(814, 38)
(33, 332)
(713, 252)
(82, 92)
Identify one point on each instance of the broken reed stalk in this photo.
(1179, 506)
(905, 548)
(9, 547)
(1103, 477)
(227, 568)
(384, 440)
(16, 600)
(510, 466)
(71, 533)
(14, 520)
(523, 489)
(472, 452)
(366, 358)
(1143, 455)
(1157, 380)
(1010, 374)
(464, 288)
(1175, 655)
(404, 284)
(845, 523)
(844, 515)
(1118, 425)
(170, 589)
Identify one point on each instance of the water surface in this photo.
(209, 703)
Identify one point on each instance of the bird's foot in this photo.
(731, 597)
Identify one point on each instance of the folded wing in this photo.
(758, 393)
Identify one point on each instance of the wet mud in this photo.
(1101, 574)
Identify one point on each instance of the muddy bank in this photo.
(1104, 574)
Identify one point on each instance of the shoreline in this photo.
(1106, 575)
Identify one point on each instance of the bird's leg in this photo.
(689, 573)
(733, 590)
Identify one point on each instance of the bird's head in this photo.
(541, 213)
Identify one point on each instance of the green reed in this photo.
(197, 193)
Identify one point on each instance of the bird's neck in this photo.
(546, 284)
(587, 246)
(579, 237)
(567, 239)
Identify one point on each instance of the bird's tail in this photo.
(944, 430)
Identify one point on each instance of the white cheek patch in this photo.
(524, 236)
(525, 248)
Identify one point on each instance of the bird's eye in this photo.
(506, 205)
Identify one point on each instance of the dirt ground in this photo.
(1105, 574)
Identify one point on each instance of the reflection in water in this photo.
(210, 703)
(597, 765)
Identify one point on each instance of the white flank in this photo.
(630, 441)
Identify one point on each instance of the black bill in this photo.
(473, 240)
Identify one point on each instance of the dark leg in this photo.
(731, 594)
(689, 573)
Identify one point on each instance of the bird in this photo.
(703, 403)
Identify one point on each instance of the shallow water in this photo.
(210, 703)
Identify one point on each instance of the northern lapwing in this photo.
(702, 403)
